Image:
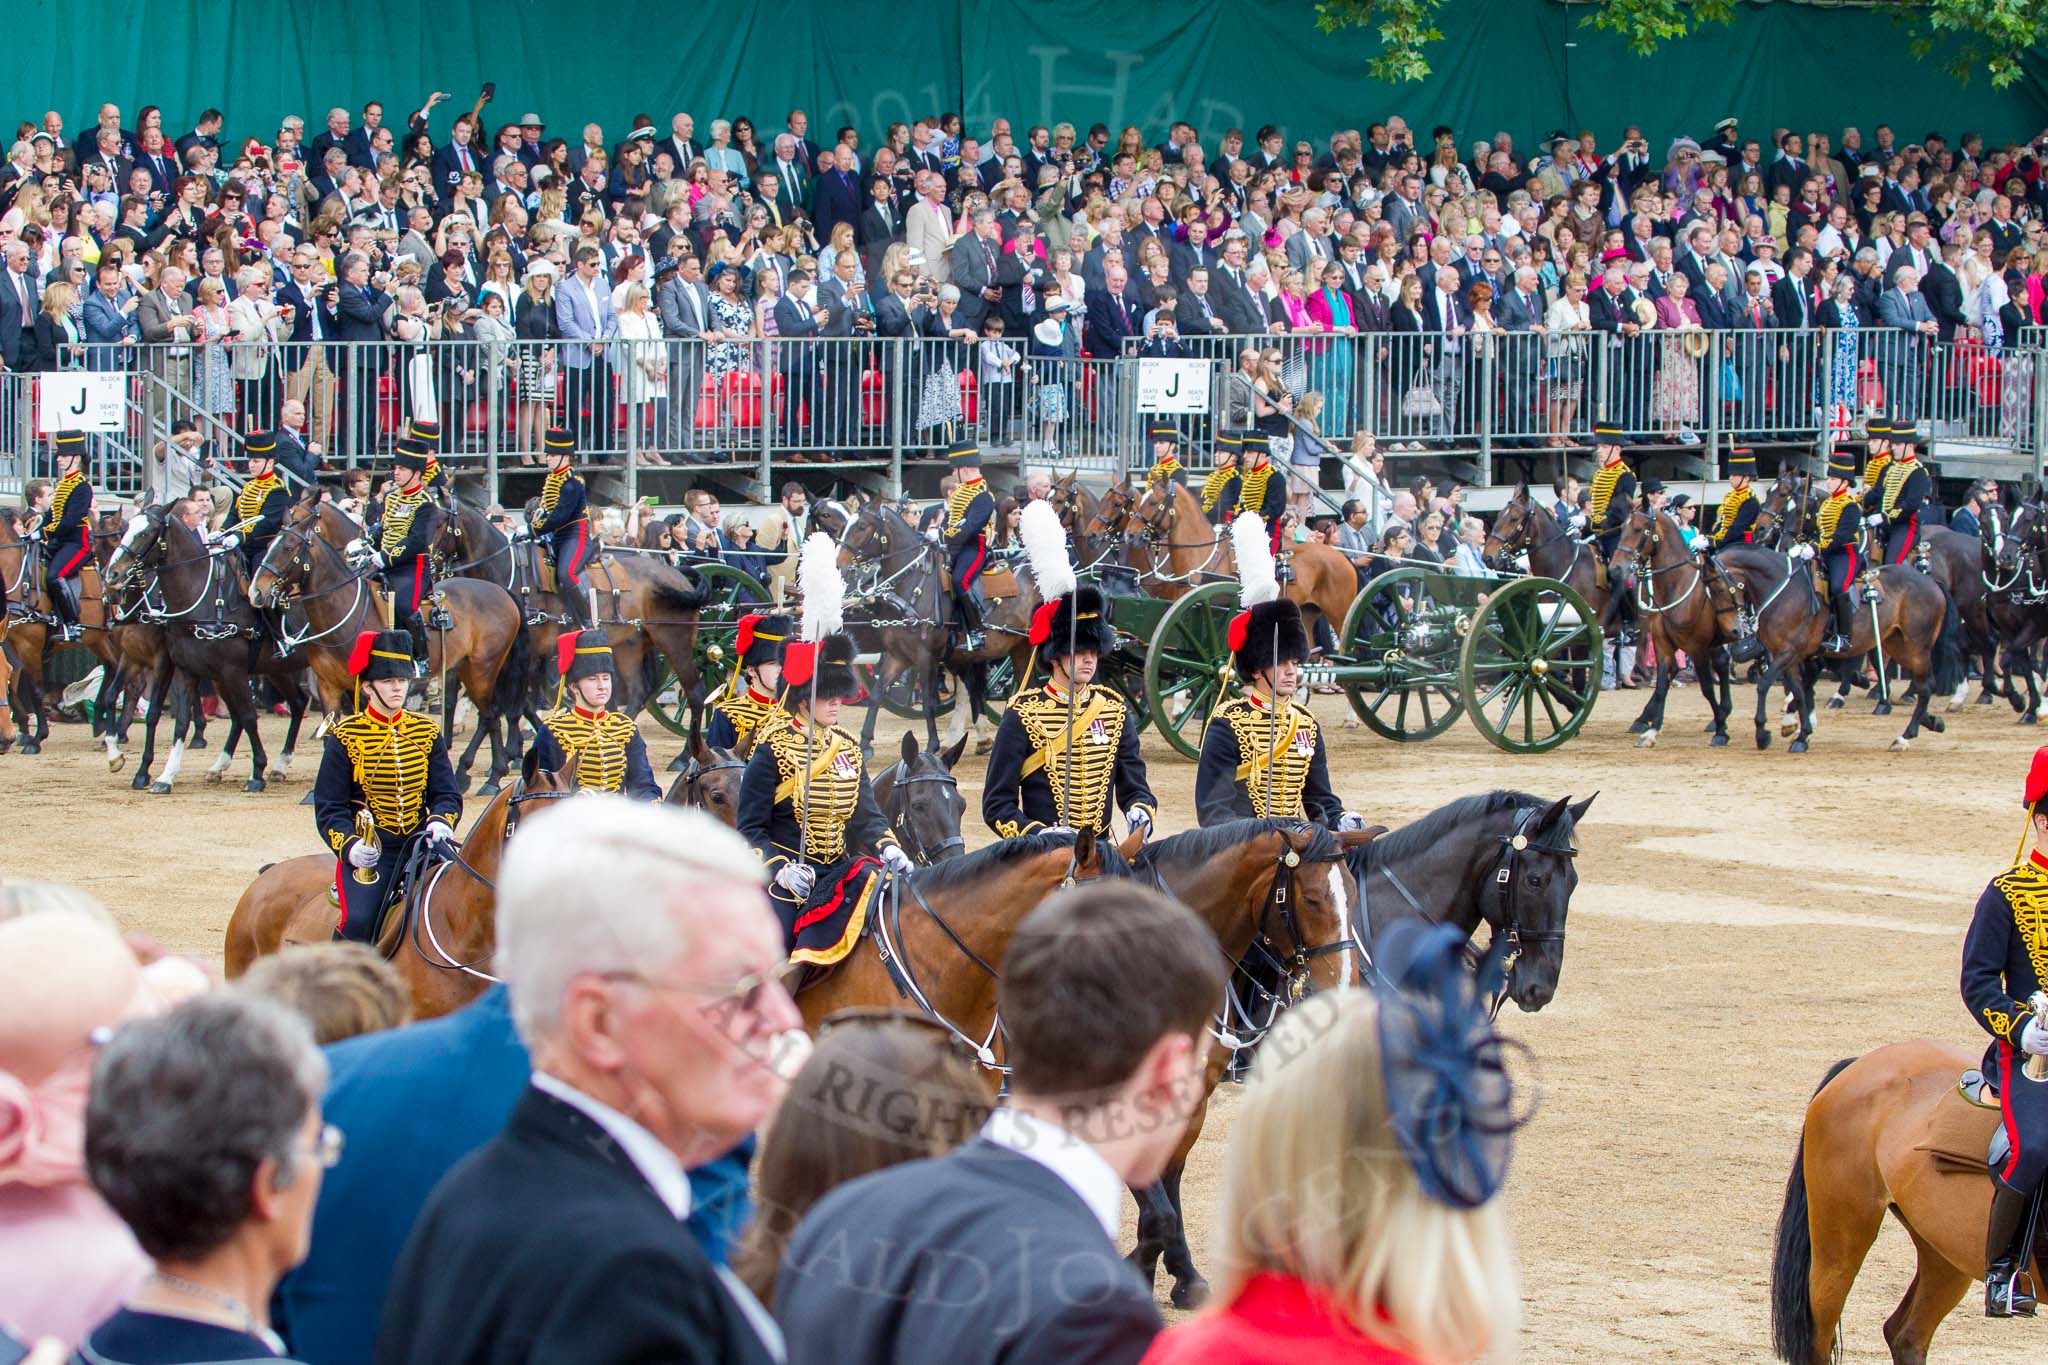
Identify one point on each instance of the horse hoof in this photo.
(29, 746)
(1937, 724)
(141, 782)
(1719, 741)
(276, 775)
(982, 746)
(115, 762)
(1986, 698)
(198, 742)
(1638, 728)
(1763, 739)
(1797, 746)
(2025, 718)
(1883, 708)
(253, 785)
(1190, 1293)
(1647, 740)
(159, 789)
(1708, 728)
(5, 745)
(212, 778)
(488, 789)
(1789, 727)
(1835, 703)
(1899, 744)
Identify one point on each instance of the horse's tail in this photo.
(683, 589)
(510, 692)
(1792, 1265)
(1950, 663)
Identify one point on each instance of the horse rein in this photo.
(421, 893)
(899, 778)
(1515, 845)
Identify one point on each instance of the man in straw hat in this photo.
(611, 756)
(1262, 753)
(1066, 754)
(2003, 978)
(384, 785)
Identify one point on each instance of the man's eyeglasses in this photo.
(327, 1145)
(746, 993)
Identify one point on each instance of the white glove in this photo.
(226, 540)
(1058, 829)
(355, 549)
(796, 878)
(522, 532)
(896, 860)
(1802, 551)
(1350, 820)
(373, 559)
(1137, 818)
(2034, 1039)
(438, 832)
(361, 855)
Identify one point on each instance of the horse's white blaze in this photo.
(173, 763)
(133, 529)
(1350, 975)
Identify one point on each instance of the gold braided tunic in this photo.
(396, 766)
(610, 754)
(399, 511)
(1292, 781)
(1033, 780)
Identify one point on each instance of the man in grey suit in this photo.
(1312, 243)
(1903, 358)
(684, 305)
(1031, 1204)
(583, 310)
(1404, 209)
(167, 325)
(974, 263)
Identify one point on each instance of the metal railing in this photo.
(1480, 404)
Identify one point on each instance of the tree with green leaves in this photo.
(1992, 35)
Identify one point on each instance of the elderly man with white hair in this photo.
(643, 966)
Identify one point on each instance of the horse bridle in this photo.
(1515, 845)
(695, 773)
(901, 778)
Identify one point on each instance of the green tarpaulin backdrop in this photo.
(1521, 65)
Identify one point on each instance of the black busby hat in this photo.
(761, 638)
(1229, 442)
(581, 654)
(1841, 465)
(961, 453)
(831, 659)
(424, 433)
(1255, 443)
(70, 443)
(559, 441)
(409, 456)
(380, 654)
(1269, 629)
(260, 445)
(1163, 431)
(1077, 621)
(1741, 460)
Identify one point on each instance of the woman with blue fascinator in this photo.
(1359, 1220)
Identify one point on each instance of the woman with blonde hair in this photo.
(643, 360)
(1358, 1218)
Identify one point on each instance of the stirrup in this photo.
(2009, 1290)
(439, 619)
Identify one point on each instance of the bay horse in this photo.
(197, 595)
(1174, 550)
(24, 607)
(443, 947)
(647, 605)
(1526, 525)
(1860, 1156)
(710, 780)
(899, 609)
(1682, 608)
(303, 575)
(1916, 627)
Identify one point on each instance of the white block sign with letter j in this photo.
(1173, 385)
(79, 400)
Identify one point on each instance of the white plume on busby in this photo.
(817, 577)
(1257, 578)
(1045, 543)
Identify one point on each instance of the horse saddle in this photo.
(544, 574)
(1966, 1132)
(998, 584)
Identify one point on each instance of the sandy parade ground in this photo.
(1743, 920)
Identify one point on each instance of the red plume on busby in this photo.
(359, 659)
(2037, 778)
(565, 651)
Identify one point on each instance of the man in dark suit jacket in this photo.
(1241, 313)
(1194, 313)
(20, 297)
(880, 226)
(562, 1238)
(904, 1265)
(835, 197)
(975, 260)
(1113, 315)
(1944, 292)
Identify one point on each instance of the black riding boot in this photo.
(64, 606)
(1844, 608)
(970, 619)
(2008, 1289)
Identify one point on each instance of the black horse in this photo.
(199, 597)
(921, 798)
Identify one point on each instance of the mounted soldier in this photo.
(1905, 490)
(1873, 471)
(738, 708)
(1735, 524)
(262, 502)
(1219, 490)
(805, 804)
(612, 757)
(385, 785)
(397, 545)
(66, 532)
(1166, 464)
(1262, 753)
(560, 520)
(1066, 754)
(1259, 491)
(1838, 525)
(2003, 953)
(1613, 491)
(970, 511)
